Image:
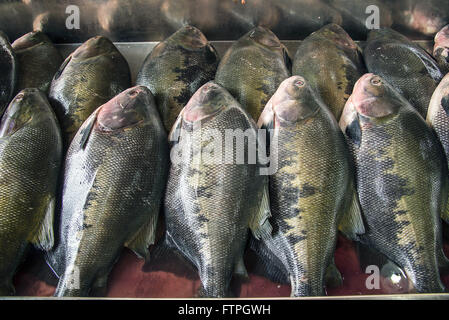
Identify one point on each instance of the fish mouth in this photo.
(127, 109)
(29, 40)
(202, 104)
(369, 89)
(339, 36)
(20, 111)
(442, 39)
(192, 38)
(93, 47)
(265, 37)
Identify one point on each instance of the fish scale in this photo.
(401, 196)
(39, 60)
(82, 84)
(207, 211)
(252, 71)
(29, 166)
(173, 71)
(438, 119)
(309, 190)
(332, 63)
(110, 196)
(405, 65)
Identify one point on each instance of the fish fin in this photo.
(351, 223)
(86, 129)
(175, 132)
(62, 67)
(333, 277)
(267, 264)
(259, 224)
(44, 239)
(240, 269)
(443, 261)
(144, 237)
(287, 60)
(445, 213)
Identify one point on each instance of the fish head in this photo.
(294, 102)
(265, 38)
(207, 101)
(337, 35)
(441, 47)
(373, 98)
(94, 47)
(125, 110)
(30, 40)
(190, 38)
(26, 107)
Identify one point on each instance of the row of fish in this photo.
(380, 180)
(141, 20)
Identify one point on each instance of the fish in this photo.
(176, 68)
(438, 120)
(441, 49)
(418, 18)
(211, 199)
(8, 67)
(38, 61)
(299, 18)
(253, 68)
(358, 15)
(30, 161)
(312, 189)
(404, 65)
(400, 180)
(331, 62)
(114, 176)
(89, 77)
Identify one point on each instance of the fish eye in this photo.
(19, 96)
(376, 81)
(300, 83)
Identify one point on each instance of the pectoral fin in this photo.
(351, 223)
(44, 238)
(333, 278)
(145, 237)
(259, 224)
(240, 269)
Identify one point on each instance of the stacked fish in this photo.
(334, 140)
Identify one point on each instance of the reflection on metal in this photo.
(154, 20)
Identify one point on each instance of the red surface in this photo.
(175, 279)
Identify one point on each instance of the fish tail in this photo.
(267, 264)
